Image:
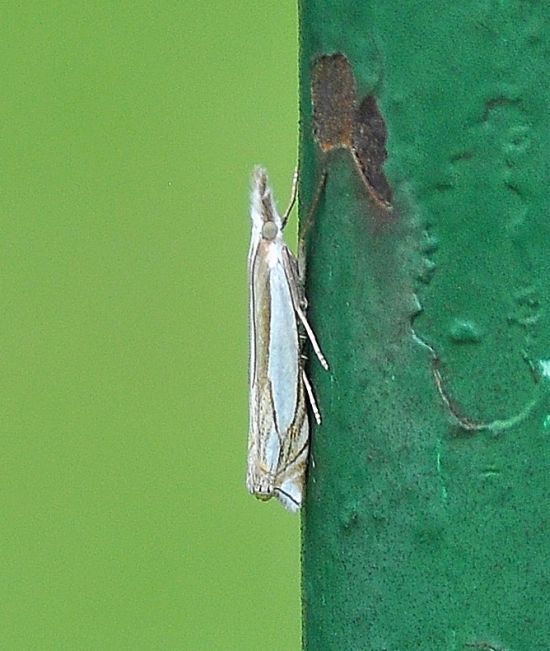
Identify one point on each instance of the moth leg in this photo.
(312, 402)
(311, 337)
(308, 222)
(293, 195)
(298, 301)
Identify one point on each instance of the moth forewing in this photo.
(279, 428)
(290, 480)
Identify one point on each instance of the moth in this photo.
(278, 439)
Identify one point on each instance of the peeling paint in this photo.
(490, 472)
(334, 97)
(464, 331)
(545, 367)
(463, 421)
(369, 149)
(341, 121)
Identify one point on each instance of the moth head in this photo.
(270, 230)
(260, 485)
(265, 218)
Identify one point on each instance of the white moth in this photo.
(278, 439)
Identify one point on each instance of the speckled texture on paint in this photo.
(426, 522)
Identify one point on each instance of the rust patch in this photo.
(341, 122)
(334, 99)
(369, 149)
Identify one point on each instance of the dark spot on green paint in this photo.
(349, 516)
(369, 148)
(461, 155)
(485, 646)
(500, 102)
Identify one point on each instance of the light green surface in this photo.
(128, 134)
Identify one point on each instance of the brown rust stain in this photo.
(334, 100)
(340, 121)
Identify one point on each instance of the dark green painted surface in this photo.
(426, 518)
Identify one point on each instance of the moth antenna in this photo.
(293, 195)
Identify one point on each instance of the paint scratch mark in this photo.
(465, 423)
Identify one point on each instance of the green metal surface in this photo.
(425, 525)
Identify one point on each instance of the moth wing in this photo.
(274, 370)
(263, 440)
(289, 484)
(284, 350)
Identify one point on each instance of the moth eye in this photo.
(269, 231)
